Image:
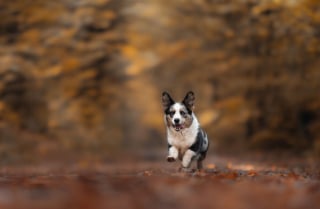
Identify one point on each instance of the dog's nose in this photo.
(176, 121)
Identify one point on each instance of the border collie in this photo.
(186, 140)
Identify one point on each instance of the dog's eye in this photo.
(182, 113)
(171, 113)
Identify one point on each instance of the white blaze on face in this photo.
(177, 113)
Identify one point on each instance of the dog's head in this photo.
(178, 115)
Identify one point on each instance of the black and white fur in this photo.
(186, 140)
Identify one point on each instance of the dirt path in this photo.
(225, 183)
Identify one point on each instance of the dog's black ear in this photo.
(167, 101)
(188, 100)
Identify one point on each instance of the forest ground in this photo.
(226, 182)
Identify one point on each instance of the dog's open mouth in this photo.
(178, 127)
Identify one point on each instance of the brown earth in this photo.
(224, 183)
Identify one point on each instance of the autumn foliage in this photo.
(85, 77)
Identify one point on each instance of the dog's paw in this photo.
(170, 159)
(186, 170)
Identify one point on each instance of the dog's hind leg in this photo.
(200, 164)
(200, 160)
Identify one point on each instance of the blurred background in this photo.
(81, 80)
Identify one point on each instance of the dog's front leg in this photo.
(173, 154)
(187, 158)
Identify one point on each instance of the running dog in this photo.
(186, 140)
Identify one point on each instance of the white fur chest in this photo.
(185, 138)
